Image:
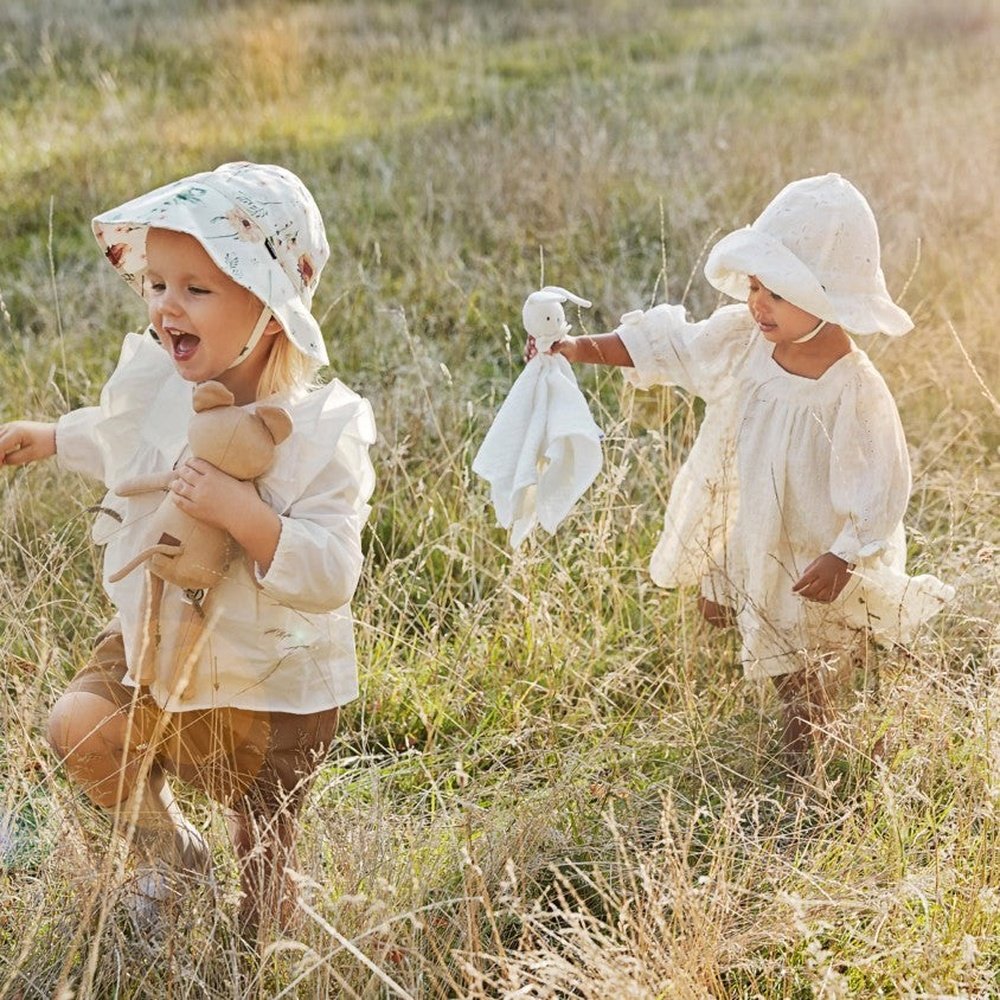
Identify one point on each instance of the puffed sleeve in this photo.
(103, 441)
(869, 467)
(321, 488)
(666, 349)
(77, 446)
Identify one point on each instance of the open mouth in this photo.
(183, 345)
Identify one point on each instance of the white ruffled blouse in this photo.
(282, 640)
(784, 468)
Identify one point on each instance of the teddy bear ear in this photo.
(276, 420)
(209, 395)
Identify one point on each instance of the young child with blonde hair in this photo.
(788, 511)
(227, 262)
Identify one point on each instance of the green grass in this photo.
(556, 782)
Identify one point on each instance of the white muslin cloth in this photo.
(543, 450)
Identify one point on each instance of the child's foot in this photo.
(181, 847)
(170, 864)
(149, 901)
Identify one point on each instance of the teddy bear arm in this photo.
(150, 483)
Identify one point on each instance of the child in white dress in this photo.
(788, 511)
(227, 262)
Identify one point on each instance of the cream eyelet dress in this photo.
(784, 468)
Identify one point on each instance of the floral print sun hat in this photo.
(817, 246)
(258, 222)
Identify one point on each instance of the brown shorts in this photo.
(257, 760)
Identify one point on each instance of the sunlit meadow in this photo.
(556, 782)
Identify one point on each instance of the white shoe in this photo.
(169, 866)
(149, 899)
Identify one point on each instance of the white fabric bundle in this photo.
(543, 449)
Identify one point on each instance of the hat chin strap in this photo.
(255, 335)
(805, 338)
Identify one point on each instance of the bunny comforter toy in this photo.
(543, 450)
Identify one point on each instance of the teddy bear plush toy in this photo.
(188, 553)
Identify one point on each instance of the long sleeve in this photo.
(318, 560)
(700, 357)
(869, 468)
(78, 448)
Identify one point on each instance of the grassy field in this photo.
(556, 782)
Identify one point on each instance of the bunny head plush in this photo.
(543, 315)
(187, 552)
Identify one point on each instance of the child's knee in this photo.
(82, 729)
(71, 721)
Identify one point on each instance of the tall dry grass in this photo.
(556, 782)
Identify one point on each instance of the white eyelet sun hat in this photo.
(259, 224)
(817, 246)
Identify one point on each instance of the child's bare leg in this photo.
(270, 763)
(716, 614)
(806, 711)
(265, 849)
(103, 753)
(163, 831)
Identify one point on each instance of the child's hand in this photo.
(209, 495)
(25, 441)
(565, 347)
(824, 578)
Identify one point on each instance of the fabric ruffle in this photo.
(892, 604)
(331, 418)
(116, 433)
(666, 349)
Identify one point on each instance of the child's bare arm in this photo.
(823, 579)
(604, 349)
(24, 441)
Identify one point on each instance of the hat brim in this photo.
(748, 252)
(229, 237)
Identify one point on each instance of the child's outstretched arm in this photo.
(660, 346)
(24, 441)
(604, 349)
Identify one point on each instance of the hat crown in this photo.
(281, 205)
(827, 223)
